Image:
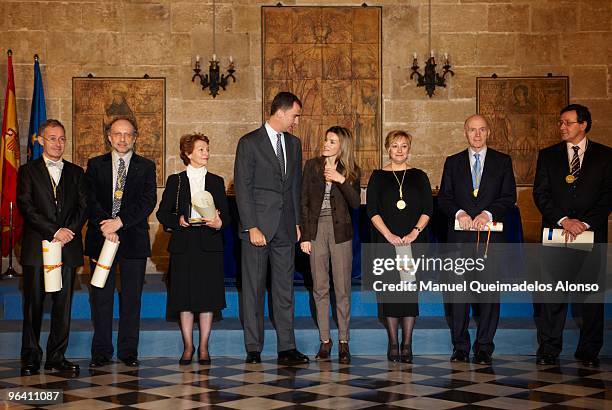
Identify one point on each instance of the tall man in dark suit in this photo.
(267, 177)
(573, 191)
(51, 197)
(122, 195)
(477, 187)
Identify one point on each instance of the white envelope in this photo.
(408, 274)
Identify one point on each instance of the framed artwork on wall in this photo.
(96, 101)
(330, 57)
(523, 114)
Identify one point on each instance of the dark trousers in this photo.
(132, 272)
(33, 302)
(458, 319)
(550, 312)
(550, 321)
(280, 252)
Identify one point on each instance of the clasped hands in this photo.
(479, 222)
(572, 228)
(405, 240)
(109, 228)
(63, 235)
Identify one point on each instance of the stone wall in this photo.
(162, 37)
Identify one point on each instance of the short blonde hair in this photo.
(395, 135)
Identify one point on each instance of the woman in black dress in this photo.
(399, 204)
(196, 280)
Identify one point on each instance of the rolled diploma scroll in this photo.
(407, 272)
(204, 204)
(52, 265)
(494, 226)
(104, 263)
(554, 237)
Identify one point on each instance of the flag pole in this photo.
(10, 271)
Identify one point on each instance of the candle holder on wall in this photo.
(430, 79)
(214, 80)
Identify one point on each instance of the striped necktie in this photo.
(575, 164)
(280, 155)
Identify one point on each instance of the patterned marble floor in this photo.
(432, 382)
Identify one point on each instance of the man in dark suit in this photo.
(51, 197)
(477, 187)
(573, 191)
(121, 196)
(267, 177)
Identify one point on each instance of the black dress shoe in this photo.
(30, 368)
(406, 353)
(98, 361)
(546, 359)
(63, 366)
(253, 358)
(204, 360)
(482, 357)
(185, 362)
(324, 350)
(460, 356)
(344, 354)
(590, 361)
(130, 361)
(292, 357)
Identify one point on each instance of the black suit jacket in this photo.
(497, 192)
(42, 218)
(139, 200)
(210, 239)
(588, 199)
(263, 196)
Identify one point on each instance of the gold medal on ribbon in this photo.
(400, 204)
(118, 194)
(570, 179)
(475, 192)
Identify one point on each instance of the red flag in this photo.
(9, 163)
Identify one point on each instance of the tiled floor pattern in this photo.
(432, 382)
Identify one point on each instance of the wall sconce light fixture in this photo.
(214, 80)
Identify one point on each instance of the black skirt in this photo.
(195, 279)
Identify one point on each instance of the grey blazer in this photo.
(263, 194)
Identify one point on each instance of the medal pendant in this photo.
(570, 179)
(475, 192)
(400, 204)
(118, 194)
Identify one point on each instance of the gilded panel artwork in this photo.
(330, 57)
(96, 101)
(523, 114)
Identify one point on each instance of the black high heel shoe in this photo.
(204, 361)
(393, 353)
(406, 354)
(184, 362)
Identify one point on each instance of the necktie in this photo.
(575, 165)
(476, 173)
(59, 164)
(280, 154)
(118, 194)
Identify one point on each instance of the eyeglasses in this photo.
(61, 140)
(122, 134)
(566, 123)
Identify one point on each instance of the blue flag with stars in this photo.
(38, 114)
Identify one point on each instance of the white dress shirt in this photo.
(115, 156)
(570, 154)
(197, 183)
(55, 171)
(272, 135)
(472, 158)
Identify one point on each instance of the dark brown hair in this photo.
(50, 123)
(188, 143)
